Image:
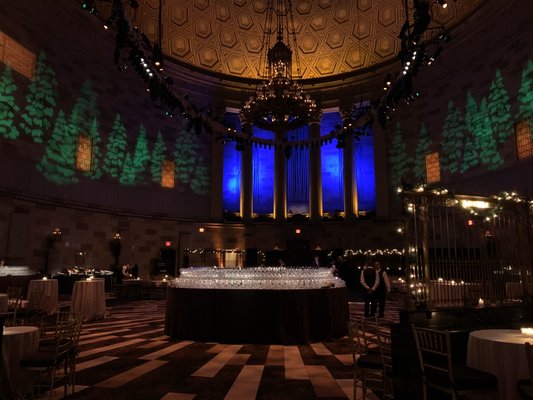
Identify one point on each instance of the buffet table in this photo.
(256, 316)
(256, 305)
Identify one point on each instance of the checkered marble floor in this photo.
(128, 356)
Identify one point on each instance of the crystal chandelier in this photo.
(280, 103)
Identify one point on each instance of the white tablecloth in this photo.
(50, 288)
(18, 342)
(513, 290)
(502, 353)
(447, 293)
(3, 302)
(88, 298)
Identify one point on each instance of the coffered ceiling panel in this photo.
(333, 36)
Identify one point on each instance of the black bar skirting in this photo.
(256, 316)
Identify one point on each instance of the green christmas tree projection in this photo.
(96, 157)
(453, 136)
(141, 155)
(58, 162)
(128, 173)
(525, 94)
(158, 155)
(422, 148)
(398, 157)
(488, 149)
(115, 149)
(499, 109)
(470, 155)
(8, 106)
(200, 183)
(185, 154)
(40, 101)
(85, 110)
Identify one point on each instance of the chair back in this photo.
(359, 339)
(14, 297)
(355, 340)
(78, 323)
(434, 353)
(380, 333)
(37, 299)
(63, 339)
(370, 326)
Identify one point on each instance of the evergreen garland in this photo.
(185, 153)
(471, 150)
(96, 156)
(58, 162)
(398, 158)
(141, 155)
(525, 95)
(8, 106)
(499, 110)
(40, 101)
(422, 148)
(486, 143)
(453, 139)
(128, 174)
(158, 156)
(85, 109)
(200, 182)
(115, 149)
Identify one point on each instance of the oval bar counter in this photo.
(256, 305)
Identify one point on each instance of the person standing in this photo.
(370, 281)
(382, 289)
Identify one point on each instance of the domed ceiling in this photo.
(334, 36)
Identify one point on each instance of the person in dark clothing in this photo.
(117, 273)
(370, 281)
(382, 289)
(135, 271)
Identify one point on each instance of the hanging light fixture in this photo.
(280, 103)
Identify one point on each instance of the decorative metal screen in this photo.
(467, 251)
(432, 167)
(524, 143)
(168, 170)
(84, 153)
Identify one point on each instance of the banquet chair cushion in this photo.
(40, 359)
(50, 344)
(371, 361)
(465, 378)
(525, 389)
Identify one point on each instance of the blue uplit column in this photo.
(380, 167)
(315, 175)
(280, 181)
(350, 190)
(246, 199)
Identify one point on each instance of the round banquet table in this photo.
(51, 290)
(3, 303)
(88, 298)
(502, 353)
(256, 316)
(17, 342)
